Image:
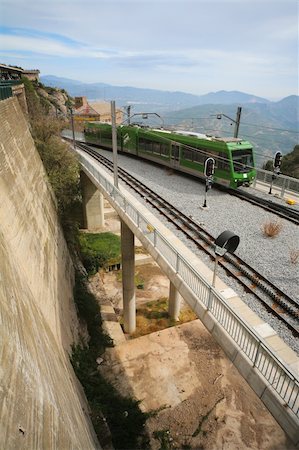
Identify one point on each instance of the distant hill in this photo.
(229, 97)
(149, 100)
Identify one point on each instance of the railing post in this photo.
(177, 263)
(209, 299)
(257, 354)
(283, 187)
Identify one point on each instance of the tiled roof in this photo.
(103, 107)
(85, 110)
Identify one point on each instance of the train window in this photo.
(175, 151)
(243, 160)
(223, 161)
(199, 156)
(156, 148)
(145, 145)
(188, 154)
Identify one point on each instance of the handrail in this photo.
(4, 83)
(284, 382)
(283, 183)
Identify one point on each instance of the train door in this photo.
(175, 155)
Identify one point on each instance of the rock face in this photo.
(55, 99)
(41, 404)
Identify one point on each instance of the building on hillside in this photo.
(104, 110)
(83, 111)
(11, 84)
(10, 73)
(32, 75)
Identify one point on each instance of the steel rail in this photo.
(281, 210)
(275, 301)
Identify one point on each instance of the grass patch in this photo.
(153, 316)
(125, 419)
(163, 436)
(140, 250)
(99, 250)
(138, 279)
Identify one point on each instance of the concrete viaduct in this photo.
(269, 366)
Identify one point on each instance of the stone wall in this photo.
(41, 403)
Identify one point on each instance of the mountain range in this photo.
(150, 98)
(269, 126)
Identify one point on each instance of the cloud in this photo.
(195, 43)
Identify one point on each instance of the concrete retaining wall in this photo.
(41, 403)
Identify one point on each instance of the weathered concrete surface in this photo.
(41, 404)
(184, 369)
(200, 398)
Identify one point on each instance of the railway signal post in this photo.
(114, 143)
(209, 172)
(276, 168)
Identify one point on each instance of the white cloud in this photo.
(130, 42)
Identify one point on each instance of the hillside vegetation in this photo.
(290, 163)
(47, 118)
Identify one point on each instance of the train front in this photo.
(242, 163)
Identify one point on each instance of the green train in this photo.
(181, 150)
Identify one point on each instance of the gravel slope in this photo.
(270, 256)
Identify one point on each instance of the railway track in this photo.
(280, 210)
(273, 299)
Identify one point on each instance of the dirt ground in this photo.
(200, 400)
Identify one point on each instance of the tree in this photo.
(289, 163)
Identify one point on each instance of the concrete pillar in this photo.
(93, 204)
(128, 278)
(174, 302)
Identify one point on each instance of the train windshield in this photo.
(243, 160)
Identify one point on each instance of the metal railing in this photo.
(6, 88)
(283, 184)
(5, 92)
(283, 381)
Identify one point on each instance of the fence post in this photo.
(257, 354)
(209, 299)
(177, 263)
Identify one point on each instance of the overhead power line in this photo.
(241, 124)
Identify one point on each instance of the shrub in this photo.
(60, 164)
(98, 250)
(272, 228)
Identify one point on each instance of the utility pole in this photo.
(114, 144)
(129, 114)
(73, 129)
(237, 122)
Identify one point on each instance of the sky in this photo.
(174, 45)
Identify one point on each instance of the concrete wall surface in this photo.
(41, 402)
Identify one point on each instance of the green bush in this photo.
(98, 250)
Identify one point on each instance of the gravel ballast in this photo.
(269, 256)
